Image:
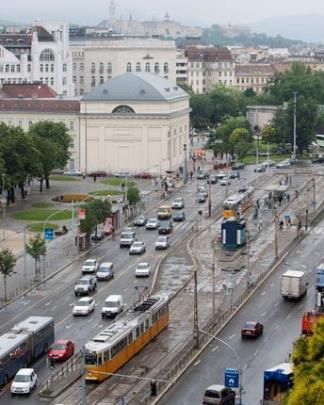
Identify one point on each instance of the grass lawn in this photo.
(42, 205)
(64, 178)
(115, 181)
(39, 226)
(42, 215)
(102, 193)
(277, 158)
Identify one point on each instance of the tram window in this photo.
(99, 359)
(147, 324)
(107, 355)
(142, 328)
(130, 338)
(138, 331)
(155, 317)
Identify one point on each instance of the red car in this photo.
(251, 329)
(61, 350)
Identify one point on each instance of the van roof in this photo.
(293, 273)
(215, 387)
(115, 297)
(106, 264)
(25, 371)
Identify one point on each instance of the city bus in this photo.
(25, 342)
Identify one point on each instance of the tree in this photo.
(96, 212)
(133, 195)
(270, 135)
(241, 139)
(308, 360)
(36, 248)
(53, 142)
(7, 265)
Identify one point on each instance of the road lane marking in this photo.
(53, 308)
(263, 313)
(288, 316)
(68, 326)
(197, 362)
(263, 293)
(276, 304)
(215, 348)
(272, 284)
(245, 367)
(300, 306)
(231, 337)
(256, 352)
(125, 290)
(48, 303)
(276, 326)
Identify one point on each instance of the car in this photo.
(137, 248)
(213, 179)
(165, 227)
(162, 243)
(268, 163)
(127, 238)
(24, 381)
(225, 181)
(90, 266)
(285, 148)
(178, 203)
(84, 306)
(72, 173)
(233, 174)
(201, 197)
(61, 350)
(140, 221)
(152, 223)
(143, 270)
(318, 159)
(113, 306)
(259, 169)
(105, 271)
(98, 173)
(221, 175)
(100, 235)
(238, 166)
(284, 164)
(178, 216)
(201, 175)
(219, 395)
(85, 285)
(251, 329)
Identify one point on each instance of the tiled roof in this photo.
(195, 54)
(17, 40)
(254, 69)
(40, 105)
(27, 90)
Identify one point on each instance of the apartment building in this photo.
(253, 76)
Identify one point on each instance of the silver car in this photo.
(137, 248)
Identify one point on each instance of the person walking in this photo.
(281, 225)
(260, 225)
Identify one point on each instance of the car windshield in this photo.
(178, 200)
(152, 220)
(111, 304)
(21, 378)
(105, 269)
(58, 346)
(84, 282)
(89, 263)
(142, 266)
(162, 239)
(137, 244)
(126, 235)
(83, 303)
(212, 394)
(249, 325)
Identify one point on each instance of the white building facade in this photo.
(39, 54)
(96, 61)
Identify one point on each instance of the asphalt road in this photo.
(282, 323)
(56, 298)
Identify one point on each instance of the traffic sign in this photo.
(231, 377)
(49, 234)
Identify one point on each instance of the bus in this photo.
(164, 212)
(123, 339)
(238, 203)
(25, 342)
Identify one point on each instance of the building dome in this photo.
(136, 87)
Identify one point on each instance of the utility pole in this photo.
(214, 279)
(295, 119)
(227, 179)
(276, 235)
(196, 324)
(257, 151)
(185, 168)
(83, 382)
(25, 255)
(209, 198)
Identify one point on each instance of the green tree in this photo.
(308, 360)
(52, 141)
(241, 139)
(133, 195)
(96, 212)
(270, 134)
(7, 265)
(36, 248)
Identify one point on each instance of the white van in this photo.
(24, 382)
(113, 306)
(218, 395)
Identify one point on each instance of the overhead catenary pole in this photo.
(83, 375)
(196, 323)
(209, 197)
(185, 165)
(295, 122)
(25, 255)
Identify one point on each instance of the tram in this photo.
(123, 339)
(238, 203)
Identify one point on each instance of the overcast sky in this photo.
(203, 12)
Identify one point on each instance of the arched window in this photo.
(52, 67)
(157, 68)
(109, 68)
(101, 68)
(123, 109)
(166, 67)
(41, 67)
(129, 67)
(138, 67)
(47, 55)
(93, 68)
(147, 67)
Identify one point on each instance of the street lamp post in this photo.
(236, 356)
(4, 206)
(295, 120)
(185, 168)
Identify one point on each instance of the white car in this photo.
(221, 175)
(268, 163)
(137, 248)
(113, 306)
(90, 266)
(152, 223)
(225, 182)
(143, 270)
(162, 243)
(72, 173)
(24, 382)
(178, 203)
(84, 306)
(283, 164)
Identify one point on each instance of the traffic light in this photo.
(153, 388)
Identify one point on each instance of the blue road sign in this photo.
(231, 377)
(49, 234)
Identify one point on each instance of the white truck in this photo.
(293, 284)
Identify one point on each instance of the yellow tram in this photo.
(120, 341)
(238, 203)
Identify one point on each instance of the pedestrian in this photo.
(289, 222)
(288, 198)
(260, 226)
(238, 174)
(258, 204)
(191, 174)
(281, 225)
(286, 181)
(83, 175)
(94, 178)
(113, 234)
(296, 193)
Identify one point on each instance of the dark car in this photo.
(98, 236)
(165, 227)
(213, 179)
(251, 329)
(140, 221)
(319, 159)
(61, 350)
(238, 166)
(178, 216)
(202, 197)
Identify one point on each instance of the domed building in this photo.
(135, 122)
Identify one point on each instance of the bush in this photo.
(68, 198)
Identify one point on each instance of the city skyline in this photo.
(234, 12)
